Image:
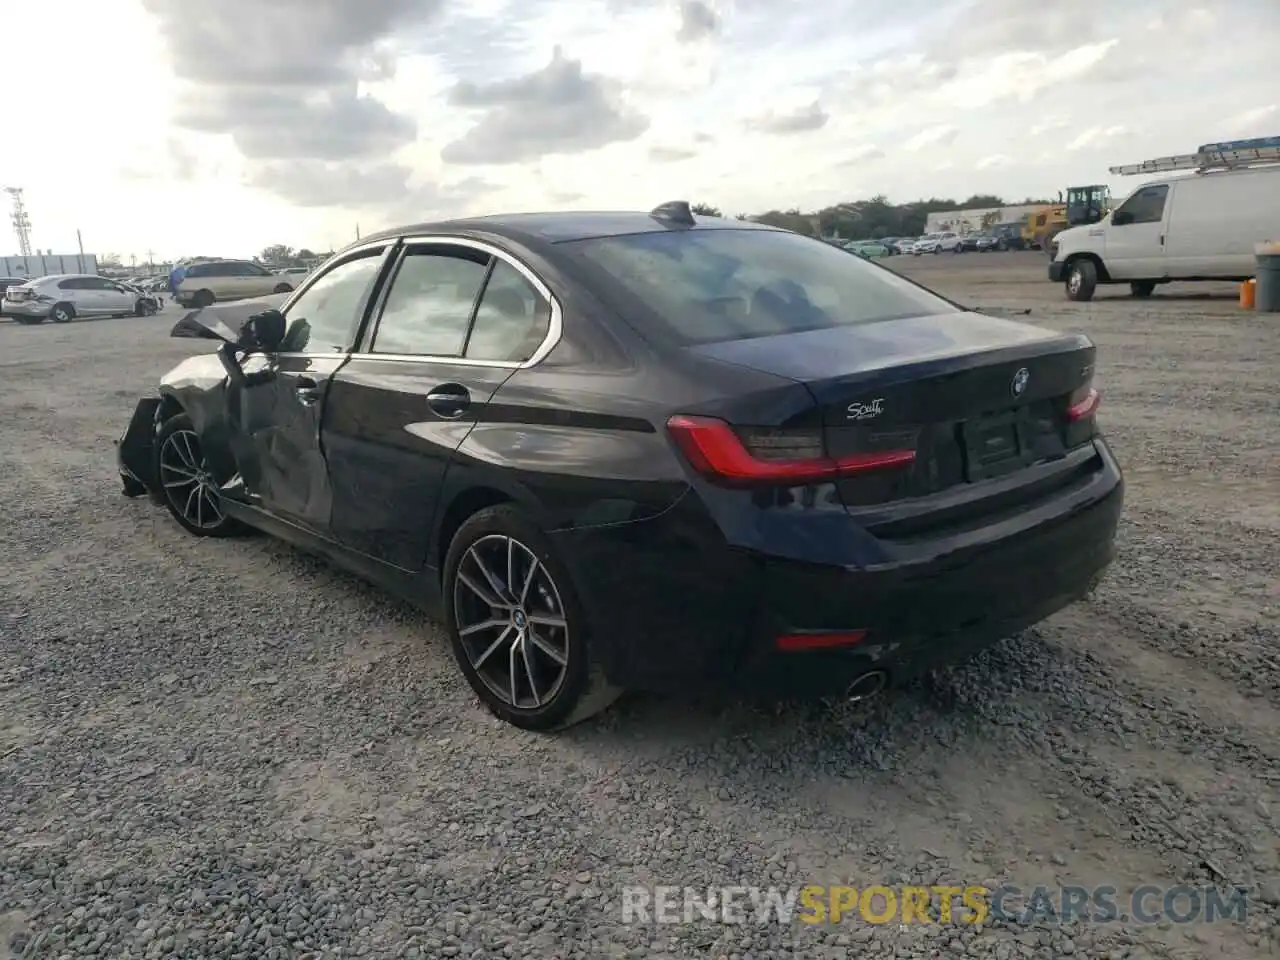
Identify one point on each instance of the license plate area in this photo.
(993, 446)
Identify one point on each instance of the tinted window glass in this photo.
(512, 319)
(1147, 205)
(704, 286)
(76, 283)
(429, 306)
(323, 318)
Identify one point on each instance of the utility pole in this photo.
(21, 222)
(151, 258)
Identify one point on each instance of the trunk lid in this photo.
(975, 397)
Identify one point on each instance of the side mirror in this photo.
(263, 331)
(1121, 218)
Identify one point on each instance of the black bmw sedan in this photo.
(647, 450)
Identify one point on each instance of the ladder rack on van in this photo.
(1231, 155)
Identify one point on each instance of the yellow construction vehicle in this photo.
(1084, 205)
(1039, 226)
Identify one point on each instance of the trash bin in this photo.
(1266, 298)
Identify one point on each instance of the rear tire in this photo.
(555, 683)
(202, 299)
(182, 478)
(62, 313)
(282, 288)
(1082, 280)
(1142, 288)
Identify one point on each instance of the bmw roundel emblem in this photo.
(1019, 384)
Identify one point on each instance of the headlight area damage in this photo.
(196, 386)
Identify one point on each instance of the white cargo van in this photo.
(1198, 227)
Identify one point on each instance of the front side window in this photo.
(512, 319)
(323, 318)
(429, 306)
(706, 286)
(1145, 206)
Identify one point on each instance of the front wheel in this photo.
(144, 308)
(282, 288)
(188, 486)
(62, 313)
(517, 628)
(1082, 280)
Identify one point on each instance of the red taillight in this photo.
(713, 449)
(1084, 404)
(827, 640)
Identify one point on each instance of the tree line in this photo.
(852, 220)
(866, 219)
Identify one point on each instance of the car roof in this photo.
(562, 226)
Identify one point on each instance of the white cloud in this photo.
(940, 136)
(1095, 136)
(745, 104)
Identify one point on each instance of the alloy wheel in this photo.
(1075, 280)
(187, 482)
(511, 621)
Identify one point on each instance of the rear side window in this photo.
(706, 286)
(512, 319)
(75, 283)
(197, 270)
(428, 308)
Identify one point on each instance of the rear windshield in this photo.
(708, 286)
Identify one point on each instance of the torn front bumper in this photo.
(135, 452)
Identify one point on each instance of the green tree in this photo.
(277, 253)
(706, 210)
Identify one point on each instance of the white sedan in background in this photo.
(63, 297)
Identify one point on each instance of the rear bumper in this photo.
(134, 449)
(672, 607)
(1057, 271)
(27, 308)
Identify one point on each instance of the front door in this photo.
(276, 409)
(1135, 239)
(458, 320)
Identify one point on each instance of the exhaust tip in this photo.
(867, 686)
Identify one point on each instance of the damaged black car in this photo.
(647, 451)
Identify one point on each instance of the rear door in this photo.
(457, 319)
(1136, 235)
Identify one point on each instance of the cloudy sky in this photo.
(219, 126)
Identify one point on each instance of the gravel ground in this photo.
(227, 749)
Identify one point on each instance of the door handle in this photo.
(449, 401)
(307, 391)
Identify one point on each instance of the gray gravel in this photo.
(227, 749)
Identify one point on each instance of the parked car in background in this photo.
(5, 284)
(867, 248)
(208, 281)
(1008, 236)
(858, 479)
(63, 297)
(977, 243)
(140, 289)
(296, 272)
